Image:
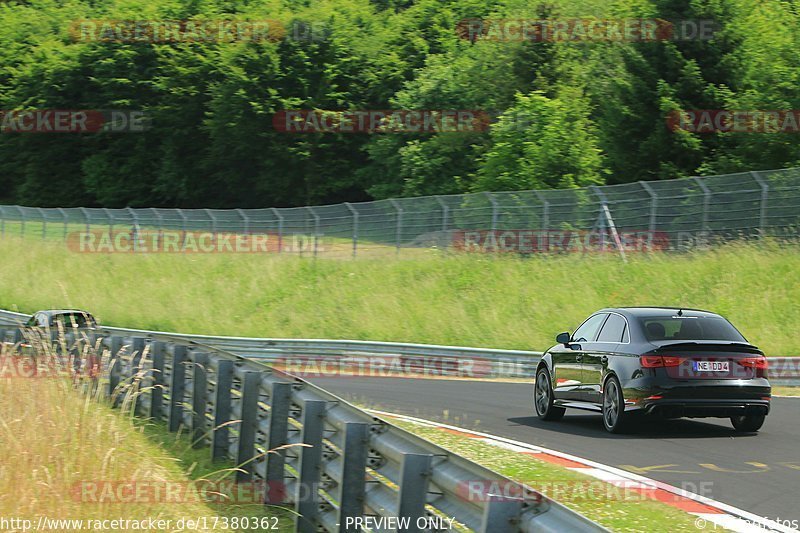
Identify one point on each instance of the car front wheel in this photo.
(543, 397)
(748, 423)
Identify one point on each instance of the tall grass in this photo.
(475, 300)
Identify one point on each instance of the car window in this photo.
(612, 330)
(588, 330)
(74, 320)
(689, 328)
(41, 320)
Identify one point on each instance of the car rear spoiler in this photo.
(706, 346)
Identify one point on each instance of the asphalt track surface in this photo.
(759, 473)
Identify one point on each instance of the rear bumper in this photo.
(702, 408)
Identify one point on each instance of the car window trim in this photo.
(598, 329)
(627, 328)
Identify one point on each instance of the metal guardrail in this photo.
(350, 463)
(304, 356)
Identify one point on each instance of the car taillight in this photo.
(759, 363)
(659, 361)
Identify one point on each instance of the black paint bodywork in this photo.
(580, 370)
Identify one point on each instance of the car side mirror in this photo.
(563, 338)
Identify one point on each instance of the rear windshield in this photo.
(688, 328)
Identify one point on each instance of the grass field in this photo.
(69, 457)
(502, 302)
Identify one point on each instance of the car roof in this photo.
(54, 312)
(660, 311)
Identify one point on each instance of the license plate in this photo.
(712, 366)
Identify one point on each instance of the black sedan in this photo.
(665, 362)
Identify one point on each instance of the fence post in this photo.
(762, 215)
(160, 229)
(44, 223)
(110, 217)
(399, 230)
(245, 221)
(280, 228)
(706, 205)
(495, 213)
(653, 210)
(355, 227)
(2, 221)
(413, 490)
(316, 228)
(87, 218)
(213, 224)
(66, 222)
(115, 345)
(308, 472)
(184, 227)
(545, 210)
(22, 221)
(445, 211)
(606, 212)
(135, 237)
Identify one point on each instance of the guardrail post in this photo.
(157, 381)
(199, 398)
(308, 474)
(135, 365)
(177, 387)
(355, 226)
(354, 463)
(115, 345)
(414, 478)
(222, 410)
(399, 230)
(762, 211)
(280, 228)
(279, 403)
(247, 427)
(501, 514)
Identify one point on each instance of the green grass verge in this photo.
(615, 509)
(471, 300)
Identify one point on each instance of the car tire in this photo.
(748, 423)
(615, 419)
(543, 397)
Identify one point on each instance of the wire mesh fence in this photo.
(669, 215)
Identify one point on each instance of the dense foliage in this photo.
(565, 114)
